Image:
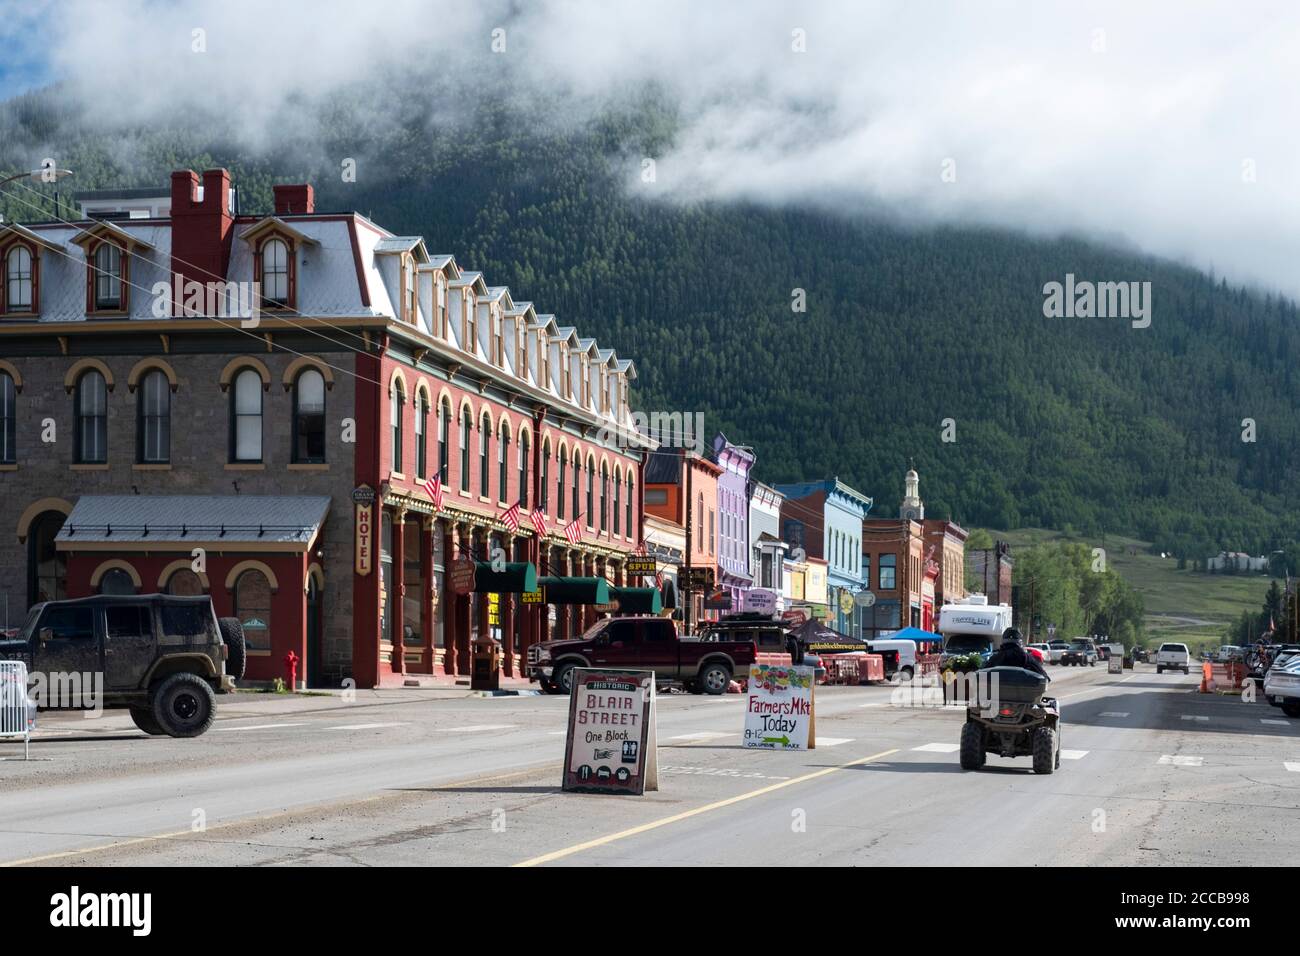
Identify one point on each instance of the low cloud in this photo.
(1166, 125)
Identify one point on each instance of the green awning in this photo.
(637, 600)
(515, 578)
(576, 590)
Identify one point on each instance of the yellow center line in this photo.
(655, 824)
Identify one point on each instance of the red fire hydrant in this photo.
(291, 670)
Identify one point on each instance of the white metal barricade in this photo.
(17, 710)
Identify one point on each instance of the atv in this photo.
(1009, 716)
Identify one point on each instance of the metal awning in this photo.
(183, 522)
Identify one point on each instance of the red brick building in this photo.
(155, 435)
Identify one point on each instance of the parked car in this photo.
(161, 656)
(1228, 652)
(1055, 650)
(770, 636)
(899, 658)
(1172, 657)
(1282, 685)
(1044, 651)
(642, 643)
(959, 645)
(1080, 653)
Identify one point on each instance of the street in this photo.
(1153, 773)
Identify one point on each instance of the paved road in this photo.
(1154, 773)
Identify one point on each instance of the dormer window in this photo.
(498, 345)
(108, 270)
(275, 273)
(543, 361)
(566, 385)
(408, 290)
(469, 326)
(440, 309)
(586, 382)
(19, 281)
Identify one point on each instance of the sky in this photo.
(1168, 125)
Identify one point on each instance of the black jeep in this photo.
(163, 657)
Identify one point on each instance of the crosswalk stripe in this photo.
(1292, 765)
(1113, 713)
(366, 726)
(1074, 754)
(833, 741)
(702, 735)
(939, 748)
(1180, 760)
(472, 728)
(1278, 723)
(1195, 717)
(297, 723)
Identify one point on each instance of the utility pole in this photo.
(687, 505)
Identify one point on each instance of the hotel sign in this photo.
(364, 498)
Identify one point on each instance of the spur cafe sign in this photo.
(611, 745)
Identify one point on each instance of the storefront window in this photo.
(253, 608)
(47, 568)
(116, 581)
(888, 568)
(413, 585)
(386, 576)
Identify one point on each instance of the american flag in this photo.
(511, 517)
(433, 488)
(573, 530)
(539, 522)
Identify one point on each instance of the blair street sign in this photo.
(611, 745)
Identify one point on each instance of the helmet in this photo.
(1011, 635)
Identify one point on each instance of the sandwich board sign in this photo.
(779, 713)
(1115, 664)
(611, 745)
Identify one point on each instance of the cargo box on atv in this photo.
(1014, 685)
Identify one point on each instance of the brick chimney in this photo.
(291, 200)
(201, 230)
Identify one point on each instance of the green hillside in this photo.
(1086, 423)
(1195, 607)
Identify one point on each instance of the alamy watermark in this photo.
(667, 429)
(1100, 300)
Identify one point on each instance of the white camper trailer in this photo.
(973, 625)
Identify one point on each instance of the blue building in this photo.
(824, 518)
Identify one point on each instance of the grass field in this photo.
(1189, 606)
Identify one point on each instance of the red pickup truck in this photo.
(642, 643)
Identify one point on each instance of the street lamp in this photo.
(46, 174)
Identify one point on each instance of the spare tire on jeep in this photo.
(232, 633)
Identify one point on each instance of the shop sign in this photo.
(779, 711)
(611, 745)
(365, 532)
(718, 601)
(533, 597)
(494, 610)
(795, 617)
(758, 601)
(642, 565)
(363, 495)
(696, 579)
(462, 574)
(864, 598)
(846, 602)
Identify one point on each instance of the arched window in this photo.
(275, 273)
(577, 492)
(444, 439)
(246, 417)
(309, 417)
(604, 496)
(108, 277)
(627, 505)
(47, 567)
(396, 400)
(618, 498)
(154, 420)
(523, 469)
(19, 280)
(421, 429)
(503, 457)
(91, 403)
(116, 581)
(185, 583)
(8, 421)
(591, 493)
(544, 478)
(484, 451)
(465, 429)
(561, 464)
(253, 608)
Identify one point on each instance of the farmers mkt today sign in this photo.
(779, 711)
(611, 745)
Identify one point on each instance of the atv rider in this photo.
(1012, 653)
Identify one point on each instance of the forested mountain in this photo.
(1081, 422)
